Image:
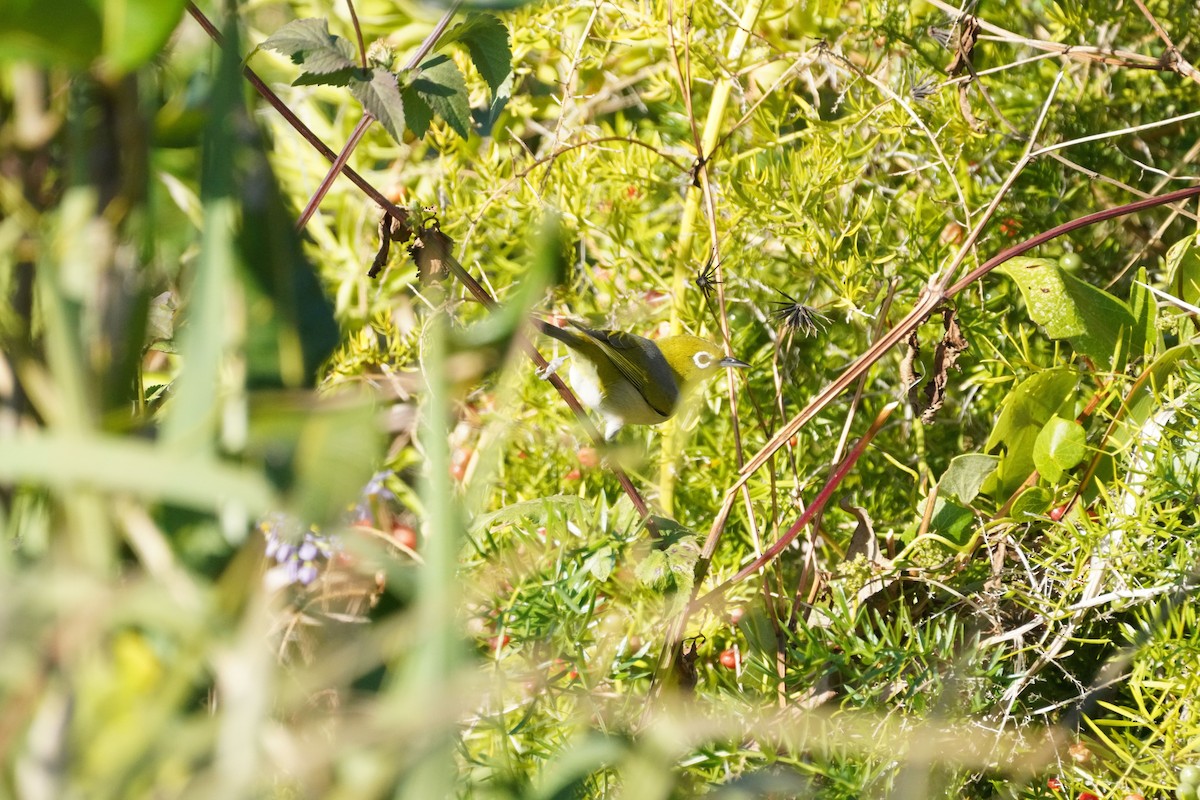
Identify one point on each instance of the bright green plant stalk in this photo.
(708, 143)
(429, 683)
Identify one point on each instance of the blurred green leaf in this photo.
(193, 413)
(70, 462)
(124, 34)
(67, 32)
(290, 329)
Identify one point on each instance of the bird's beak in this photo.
(730, 361)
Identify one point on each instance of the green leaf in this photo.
(1033, 502)
(1183, 270)
(486, 39)
(341, 77)
(1095, 322)
(1144, 308)
(309, 42)
(123, 34)
(381, 97)
(654, 571)
(1026, 409)
(440, 84)
(69, 32)
(756, 626)
(417, 112)
(1060, 446)
(951, 521)
(601, 563)
(965, 475)
(70, 462)
(292, 329)
(135, 30)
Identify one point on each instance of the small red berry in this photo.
(1087, 796)
(404, 535)
(729, 658)
(1054, 785)
(574, 475)
(497, 643)
(1056, 514)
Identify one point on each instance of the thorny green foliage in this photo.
(846, 176)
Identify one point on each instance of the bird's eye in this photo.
(702, 360)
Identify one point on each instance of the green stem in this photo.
(691, 209)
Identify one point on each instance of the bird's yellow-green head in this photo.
(632, 380)
(693, 359)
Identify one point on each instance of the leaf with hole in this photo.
(1096, 323)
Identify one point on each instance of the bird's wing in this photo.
(641, 363)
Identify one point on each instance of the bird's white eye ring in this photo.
(702, 360)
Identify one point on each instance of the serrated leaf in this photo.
(342, 77)
(309, 42)
(381, 97)
(654, 571)
(964, 476)
(417, 113)
(440, 84)
(1060, 446)
(486, 39)
(1095, 322)
(486, 118)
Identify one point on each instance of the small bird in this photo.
(630, 380)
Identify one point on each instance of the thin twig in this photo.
(306, 133)
(362, 48)
(356, 135)
(460, 273)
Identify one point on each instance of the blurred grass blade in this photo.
(69, 462)
(193, 415)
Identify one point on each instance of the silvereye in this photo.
(630, 380)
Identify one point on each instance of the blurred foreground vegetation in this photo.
(289, 512)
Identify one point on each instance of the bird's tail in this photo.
(568, 337)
